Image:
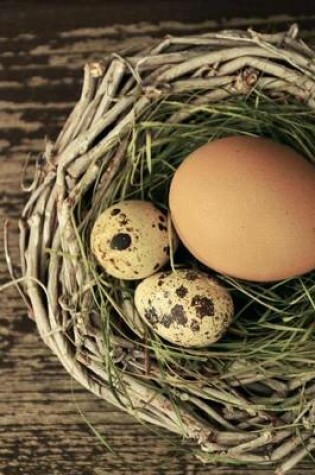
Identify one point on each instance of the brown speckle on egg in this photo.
(166, 249)
(123, 220)
(162, 227)
(181, 291)
(115, 211)
(120, 241)
(151, 315)
(178, 315)
(195, 326)
(203, 306)
(166, 320)
(114, 263)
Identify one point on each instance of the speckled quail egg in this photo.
(185, 307)
(131, 240)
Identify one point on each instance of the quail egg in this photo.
(185, 307)
(130, 239)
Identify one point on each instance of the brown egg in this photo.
(245, 207)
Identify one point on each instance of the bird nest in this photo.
(249, 397)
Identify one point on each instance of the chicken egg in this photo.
(245, 207)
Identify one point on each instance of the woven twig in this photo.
(115, 90)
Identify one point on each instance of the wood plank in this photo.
(64, 15)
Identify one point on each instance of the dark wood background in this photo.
(43, 46)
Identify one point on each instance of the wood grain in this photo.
(41, 428)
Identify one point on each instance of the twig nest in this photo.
(131, 239)
(185, 307)
(137, 117)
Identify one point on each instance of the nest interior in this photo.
(248, 398)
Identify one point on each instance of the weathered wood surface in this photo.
(41, 429)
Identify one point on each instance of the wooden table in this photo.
(41, 429)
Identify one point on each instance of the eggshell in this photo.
(245, 207)
(131, 240)
(185, 307)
